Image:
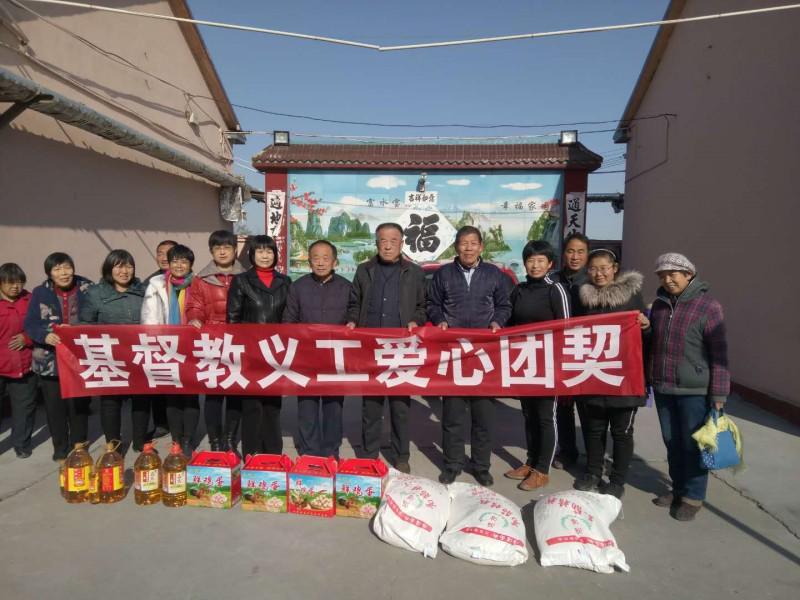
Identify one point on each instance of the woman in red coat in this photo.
(16, 376)
(207, 305)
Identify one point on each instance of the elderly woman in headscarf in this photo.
(688, 370)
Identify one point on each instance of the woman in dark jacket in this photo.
(688, 368)
(609, 291)
(259, 296)
(117, 300)
(57, 302)
(535, 300)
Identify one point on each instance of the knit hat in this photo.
(672, 261)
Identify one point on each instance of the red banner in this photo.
(600, 355)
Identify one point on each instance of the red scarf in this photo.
(64, 296)
(265, 275)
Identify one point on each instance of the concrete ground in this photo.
(744, 543)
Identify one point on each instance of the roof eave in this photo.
(200, 52)
(648, 71)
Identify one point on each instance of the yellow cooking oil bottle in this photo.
(62, 478)
(147, 476)
(173, 477)
(110, 468)
(78, 468)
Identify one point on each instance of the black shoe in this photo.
(214, 444)
(484, 478)
(229, 445)
(448, 476)
(59, 456)
(186, 447)
(612, 489)
(587, 483)
(159, 432)
(403, 467)
(564, 461)
(22, 453)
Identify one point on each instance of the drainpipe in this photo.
(25, 93)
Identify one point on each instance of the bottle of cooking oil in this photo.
(78, 466)
(94, 486)
(62, 478)
(174, 477)
(111, 470)
(146, 476)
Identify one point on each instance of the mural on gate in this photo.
(344, 207)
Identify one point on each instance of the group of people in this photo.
(683, 336)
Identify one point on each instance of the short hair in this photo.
(114, 258)
(324, 243)
(221, 237)
(181, 252)
(257, 242)
(538, 248)
(12, 273)
(604, 253)
(57, 258)
(577, 235)
(165, 243)
(389, 226)
(468, 230)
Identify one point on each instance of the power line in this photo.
(442, 125)
(502, 38)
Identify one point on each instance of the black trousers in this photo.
(111, 418)
(540, 431)
(372, 426)
(22, 393)
(599, 419)
(67, 419)
(183, 415)
(319, 425)
(159, 410)
(213, 416)
(261, 425)
(454, 424)
(567, 434)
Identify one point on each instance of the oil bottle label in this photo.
(77, 479)
(147, 480)
(111, 479)
(94, 482)
(175, 483)
(62, 477)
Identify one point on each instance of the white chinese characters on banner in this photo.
(212, 352)
(587, 345)
(403, 357)
(103, 370)
(426, 233)
(338, 347)
(534, 359)
(282, 369)
(457, 356)
(575, 221)
(159, 358)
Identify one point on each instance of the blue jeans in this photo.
(319, 436)
(680, 417)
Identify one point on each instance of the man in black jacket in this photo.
(322, 296)
(388, 291)
(468, 293)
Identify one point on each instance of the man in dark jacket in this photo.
(388, 291)
(571, 276)
(468, 293)
(321, 296)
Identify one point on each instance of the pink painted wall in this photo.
(719, 184)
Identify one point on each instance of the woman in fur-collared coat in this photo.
(609, 291)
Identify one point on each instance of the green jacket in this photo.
(103, 304)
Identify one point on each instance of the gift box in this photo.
(213, 479)
(265, 481)
(312, 486)
(359, 487)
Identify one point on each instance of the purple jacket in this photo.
(688, 348)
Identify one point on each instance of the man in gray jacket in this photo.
(388, 291)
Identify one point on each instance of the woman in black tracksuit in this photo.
(259, 296)
(609, 291)
(538, 299)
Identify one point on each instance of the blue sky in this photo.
(586, 77)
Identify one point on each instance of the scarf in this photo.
(176, 293)
(69, 303)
